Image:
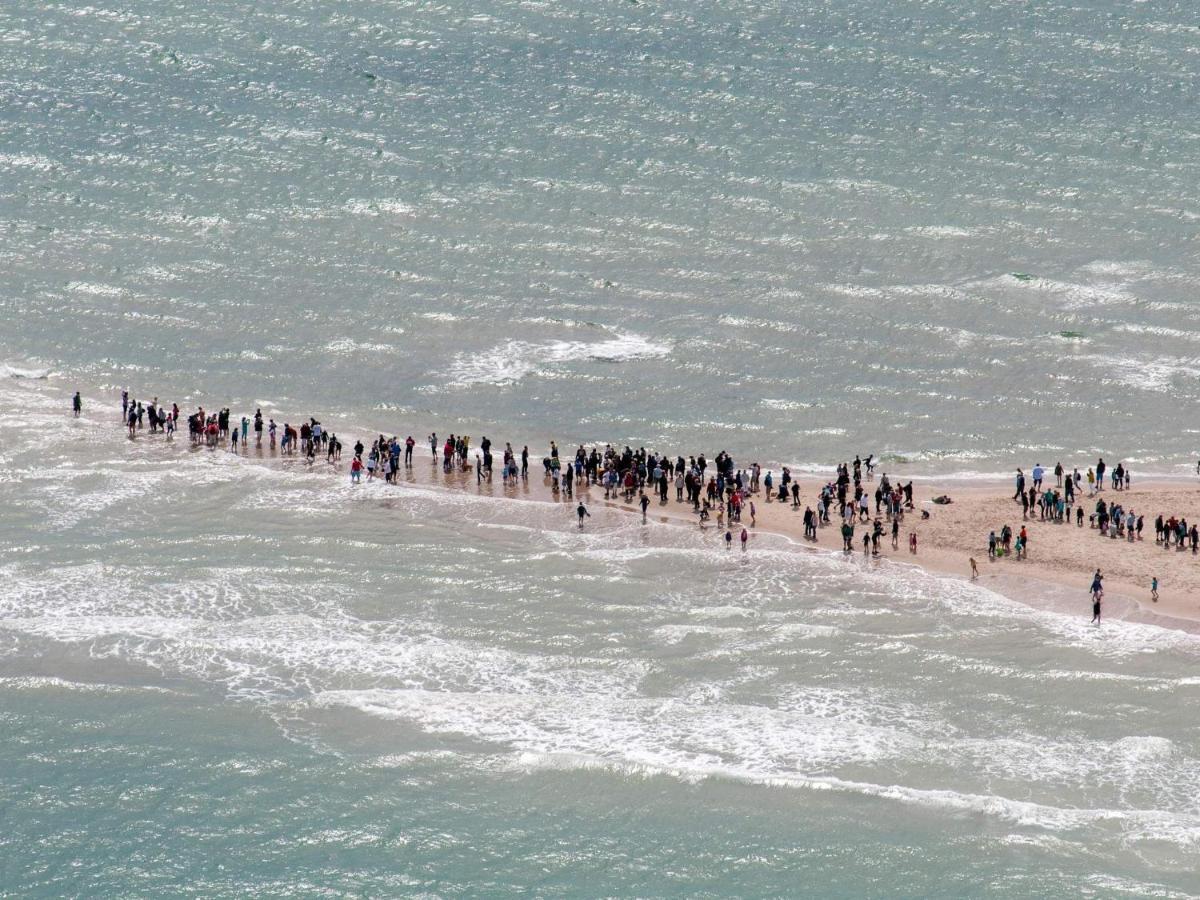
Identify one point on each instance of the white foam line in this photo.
(630, 737)
(1142, 824)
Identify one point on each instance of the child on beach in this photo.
(1154, 588)
(974, 569)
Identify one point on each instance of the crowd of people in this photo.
(1111, 518)
(718, 488)
(714, 488)
(1062, 504)
(216, 429)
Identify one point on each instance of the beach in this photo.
(1055, 574)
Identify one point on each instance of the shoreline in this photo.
(1119, 600)
(946, 541)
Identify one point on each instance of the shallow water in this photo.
(948, 236)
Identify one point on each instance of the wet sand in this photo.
(1056, 575)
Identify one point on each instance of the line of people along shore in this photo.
(714, 488)
(217, 429)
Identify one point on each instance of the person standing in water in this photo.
(974, 569)
(728, 539)
(77, 404)
(645, 503)
(1097, 597)
(582, 512)
(745, 538)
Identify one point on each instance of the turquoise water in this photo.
(951, 235)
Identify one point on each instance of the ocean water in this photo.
(955, 235)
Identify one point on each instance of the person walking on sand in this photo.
(77, 404)
(582, 513)
(1020, 491)
(912, 542)
(645, 503)
(1154, 588)
(1097, 582)
(974, 569)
